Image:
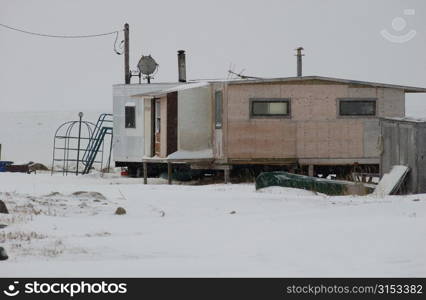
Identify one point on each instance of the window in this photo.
(130, 116)
(270, 107)
(218, 98)
(357, 107)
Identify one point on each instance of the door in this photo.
(172, 123)
(157, 127)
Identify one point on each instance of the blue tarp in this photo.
(4, 164)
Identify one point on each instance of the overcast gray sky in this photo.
(341, 39)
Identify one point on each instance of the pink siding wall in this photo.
(331, 139)
(314, 129)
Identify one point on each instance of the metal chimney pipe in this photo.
(182, 66)
(299, 61)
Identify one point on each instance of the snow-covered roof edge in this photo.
(405, 119)
(177, 88)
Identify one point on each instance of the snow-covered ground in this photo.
(55, 229)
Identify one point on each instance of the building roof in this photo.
(178, 87)
(161, 89)
(407, 89)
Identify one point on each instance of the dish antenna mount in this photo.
(147, 66)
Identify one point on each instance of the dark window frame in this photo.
(270, 100)
(128, 114)
(218, 108)
(340, 101)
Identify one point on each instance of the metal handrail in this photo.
(95, 148)
(95, 136)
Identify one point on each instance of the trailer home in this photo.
(305, 124)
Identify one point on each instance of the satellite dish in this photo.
(147, 65)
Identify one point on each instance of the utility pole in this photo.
(126, 54)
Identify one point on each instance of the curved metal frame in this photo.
(90, 135)
(67, 137)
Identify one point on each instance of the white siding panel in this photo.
(194, 119)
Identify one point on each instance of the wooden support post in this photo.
(169, 172)
(226, 175)
(311, 170)
(145, 173)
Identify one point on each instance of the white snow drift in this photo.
(215, 230)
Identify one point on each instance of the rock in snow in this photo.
(3, 255)
(120, 211)
(3, 208)
(89, 195)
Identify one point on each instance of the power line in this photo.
(116, 32)
(59, 36)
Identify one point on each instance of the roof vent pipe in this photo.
(299, 61)
(182, 66)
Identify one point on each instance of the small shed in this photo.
(403, 142)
